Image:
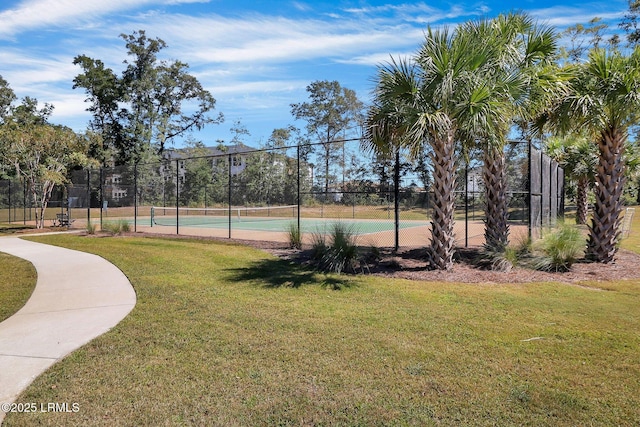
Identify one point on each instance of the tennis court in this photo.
(271, 219)
(273, 224)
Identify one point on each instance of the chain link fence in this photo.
(244, 193)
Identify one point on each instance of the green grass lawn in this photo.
(228, 335)
(17, 281)
(17, 277)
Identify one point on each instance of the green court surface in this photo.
(308, 225)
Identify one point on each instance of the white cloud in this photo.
(70, 109)
(376, 59)
(564, 16)
(259, 39)
(419, 13)
(301, 6)
(26, 72)
(270, 86)
(33, 14)
(173, 2)
(38, 13)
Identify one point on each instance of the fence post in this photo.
(396, 202)
(229, 195)
(135, 197)
(530, 213)
(466, 205)
(24, 202)
(88, 197)
(298, 195)
(177, 196)
(561, 194)
(101, 194)
(9, 181)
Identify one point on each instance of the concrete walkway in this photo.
(78, 296)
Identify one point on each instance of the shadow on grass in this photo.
(279, 273)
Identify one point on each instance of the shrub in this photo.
(559, 249)
(340, 253)
(318, 246)
(493, 259)
(91, 228)
(295, 236)
(504, 260)
(116, 227)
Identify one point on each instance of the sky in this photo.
(255, 57)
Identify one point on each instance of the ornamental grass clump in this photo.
(295, 236)
(116, 227)
(338, 251)
(558, 250)
(91, 227)
(504, 259)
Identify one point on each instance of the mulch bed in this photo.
(624, 267)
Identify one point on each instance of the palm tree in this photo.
(578, 156)
(435, 100)
(518, 81)
(605, 99)
(388, 118)
(464, 86)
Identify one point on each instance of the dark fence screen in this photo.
(547, 192)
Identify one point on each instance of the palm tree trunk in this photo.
(604, 231)
(496, 231)
(442, 219)
(582, 200)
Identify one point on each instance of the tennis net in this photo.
(203, 217)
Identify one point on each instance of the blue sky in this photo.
(255, 57)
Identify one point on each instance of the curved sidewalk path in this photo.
(78, 296)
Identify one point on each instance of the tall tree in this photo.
(7, 96)
(517, 82)
(41, 153)
(437, 98)
(605, 100)
(331, 112)
(631, 23)
(105, 93)
(584, 37)
(198, 171)
(151, 104)
(279, 141)
(240, 132)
